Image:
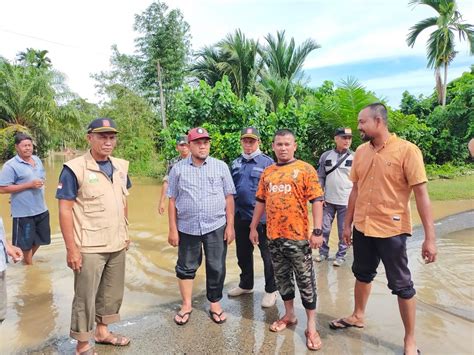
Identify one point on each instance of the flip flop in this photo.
(343, 324)
(287, 323)
(182, 315)
(308, 338)
(212, 314)
(418, 351)
(114, 339)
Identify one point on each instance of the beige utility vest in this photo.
(100, 225)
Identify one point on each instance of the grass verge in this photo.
(459, 188)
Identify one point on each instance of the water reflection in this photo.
(40, 296)
(34, 305)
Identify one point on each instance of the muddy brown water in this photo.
(40, 296)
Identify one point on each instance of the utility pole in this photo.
(162, 97)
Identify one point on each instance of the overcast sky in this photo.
(364, 39)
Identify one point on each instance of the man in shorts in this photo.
(385, 171)
(284, 191)
(23, 176)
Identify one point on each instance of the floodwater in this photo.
(40, 296)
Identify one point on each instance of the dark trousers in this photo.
(190, 258)
(368, 251)
(329, 212)
(245, 255)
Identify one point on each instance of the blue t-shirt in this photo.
(29, 202)
(69, 185)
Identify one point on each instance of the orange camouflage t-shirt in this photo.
(286, 190)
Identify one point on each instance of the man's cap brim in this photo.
(249, 135)
(203, 137)
(103, 130)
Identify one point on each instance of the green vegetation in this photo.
(460, 188)
(441, 43)
(448, 171)
(223, 87)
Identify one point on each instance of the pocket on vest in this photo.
(94, 202)
(94, 236)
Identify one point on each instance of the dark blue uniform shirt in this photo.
(246, 175)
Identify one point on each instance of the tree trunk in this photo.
(162, 98)
(445, 83)
(439, 86)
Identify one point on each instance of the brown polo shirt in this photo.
(385, 178)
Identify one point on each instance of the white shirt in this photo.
(337, 185)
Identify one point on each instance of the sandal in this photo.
(287, 323)
(342, 324)
(182, 315)
(310, 339)
(114, 339)
(220, 321)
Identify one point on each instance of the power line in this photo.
(49, 41)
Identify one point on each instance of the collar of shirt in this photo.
(20, 160)
(189, 160)
(339, 153)
(92, 164)
(390, 140)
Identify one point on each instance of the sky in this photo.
(363, 39)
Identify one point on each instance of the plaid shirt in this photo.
(200, 193)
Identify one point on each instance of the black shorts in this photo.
(31, 231)
(369, 251)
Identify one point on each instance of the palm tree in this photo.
(283, 66)
(241, 63)
(35, 57)
(206, 66)
(441, 43)
(27, 98)
(236, 57)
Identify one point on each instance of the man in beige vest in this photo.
(92, 194)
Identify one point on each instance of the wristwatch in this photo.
(317, 232)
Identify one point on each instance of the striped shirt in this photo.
(200, 193)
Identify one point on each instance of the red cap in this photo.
(197, 133)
